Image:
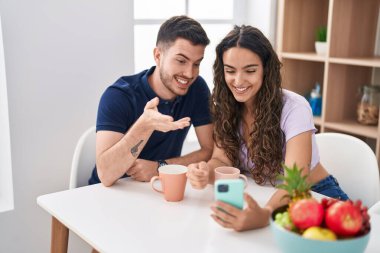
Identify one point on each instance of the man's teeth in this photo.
(182, 81)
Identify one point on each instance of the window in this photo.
(6, 185)
(216, 16)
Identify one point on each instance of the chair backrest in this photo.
(352, 162)
(84, 159)
(375, 209)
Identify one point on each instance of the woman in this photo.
(259, 126)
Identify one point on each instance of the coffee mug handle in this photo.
(244, 179)
(152, 183)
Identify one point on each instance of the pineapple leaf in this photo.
(294, 183)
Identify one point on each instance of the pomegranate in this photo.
(344, 218)
(306, 213)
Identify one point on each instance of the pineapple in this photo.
(303, 210)
(294, 183)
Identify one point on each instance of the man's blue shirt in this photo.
(123, 103)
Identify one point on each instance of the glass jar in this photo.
(368, 107)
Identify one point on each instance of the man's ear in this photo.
(157, 53)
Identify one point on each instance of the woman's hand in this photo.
(198, 175)
(253, 216)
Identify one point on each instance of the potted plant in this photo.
(320, 40)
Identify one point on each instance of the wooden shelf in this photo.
(351, 126)
(300, 76)
(305, 56)
(350, 63)
(358, 61)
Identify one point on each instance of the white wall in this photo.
(60, 56)
(262, 14)
(6, 182)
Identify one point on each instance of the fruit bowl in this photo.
(291, 242)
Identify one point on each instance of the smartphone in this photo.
(230, 191)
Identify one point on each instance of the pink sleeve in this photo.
(296, 120)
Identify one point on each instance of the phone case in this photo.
(230, 191)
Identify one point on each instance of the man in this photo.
(143, 119)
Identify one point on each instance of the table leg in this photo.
(59, 237)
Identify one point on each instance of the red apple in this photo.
(344, 218)
(306, 213)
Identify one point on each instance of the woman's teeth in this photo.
(240, 89)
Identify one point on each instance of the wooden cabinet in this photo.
(349, 63)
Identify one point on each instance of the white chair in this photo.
(352, 162)
(375, 209)
(84, 159)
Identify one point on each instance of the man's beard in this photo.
(166, 80)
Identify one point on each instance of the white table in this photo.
(130, 217)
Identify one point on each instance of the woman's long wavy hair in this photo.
(266, 138)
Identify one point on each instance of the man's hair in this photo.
(181, 27)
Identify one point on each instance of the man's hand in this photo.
(198, 175)
(161, 122)
(143, 170)
(253, 216)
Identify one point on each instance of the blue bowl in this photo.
(290, 242)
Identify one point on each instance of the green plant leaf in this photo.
(293, 182)
(321, 34)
